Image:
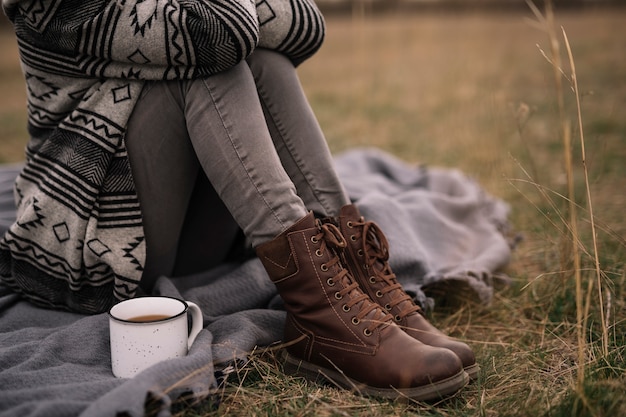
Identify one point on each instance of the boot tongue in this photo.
(350, 211)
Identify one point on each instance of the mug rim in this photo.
(186, 307)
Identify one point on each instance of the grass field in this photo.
(477, 91)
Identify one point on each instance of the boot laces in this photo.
(376, 251)
(331, 239)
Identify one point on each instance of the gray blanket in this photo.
(446, 237)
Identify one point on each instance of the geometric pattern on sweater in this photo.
(78, 241)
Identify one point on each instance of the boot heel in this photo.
(294, 366)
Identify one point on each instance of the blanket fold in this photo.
(446, 236)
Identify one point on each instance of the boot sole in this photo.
(433, 391)
(472, 371)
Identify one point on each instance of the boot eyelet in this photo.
(388, 307)
(367, 332)
(346, 308)
(353, 238)
(314, 239)
(319, 253)
(324, 267)
(379, 294)
(372, 280)
(330, 282)
(397, 318)
(355, 321)
(349, 224)
(359, 252)
(338, 296)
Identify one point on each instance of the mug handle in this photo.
(197, 322)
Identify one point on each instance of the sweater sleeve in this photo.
(141, 39)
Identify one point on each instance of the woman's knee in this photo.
(297, 32)
(266, 61)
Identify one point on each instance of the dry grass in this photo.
(13, 99)
(474, 91)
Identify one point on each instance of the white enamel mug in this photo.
(147, 330)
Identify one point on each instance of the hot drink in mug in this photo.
(147, 330)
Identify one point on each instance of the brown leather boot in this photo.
(333, 330)
(366, 256)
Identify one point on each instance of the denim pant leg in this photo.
(230, 137)
(182, 213)
(296, 133)
(164, 170)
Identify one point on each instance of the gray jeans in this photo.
(251, 132)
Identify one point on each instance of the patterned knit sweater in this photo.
(78, 241)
